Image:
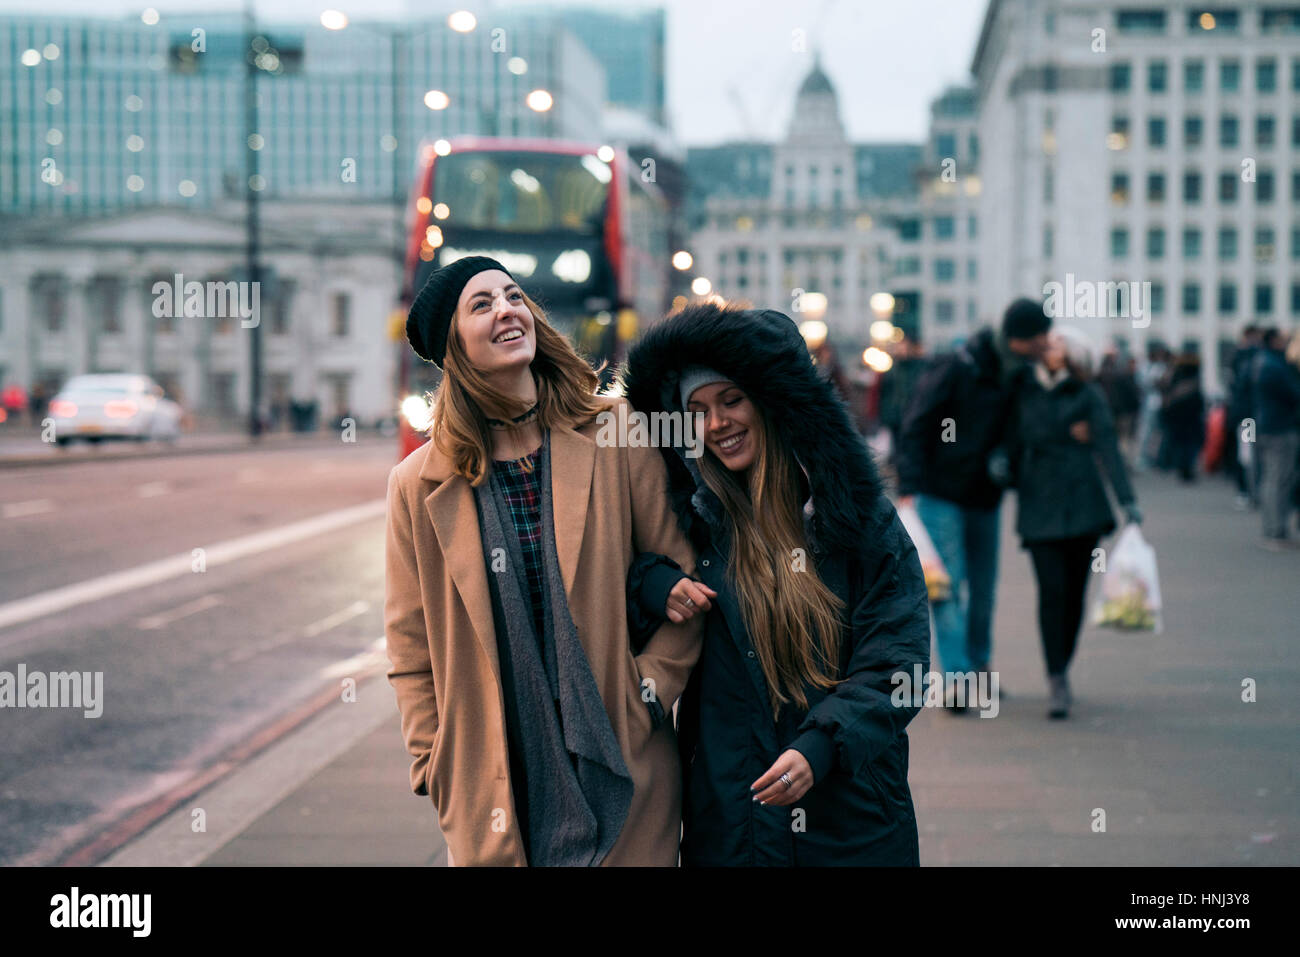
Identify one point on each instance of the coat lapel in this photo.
(573, 460)
(451, 509)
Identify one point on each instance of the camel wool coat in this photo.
(610, 503)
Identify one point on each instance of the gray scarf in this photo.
(578, 786)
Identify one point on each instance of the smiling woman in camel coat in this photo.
(610, 503)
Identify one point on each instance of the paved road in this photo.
(197, 662)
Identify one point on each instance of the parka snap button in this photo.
(751, 654)
(705, 563)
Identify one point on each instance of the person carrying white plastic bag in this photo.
(938, 583)
(1129, 598)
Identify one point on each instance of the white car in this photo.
(113, 406)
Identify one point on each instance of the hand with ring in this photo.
(687, 599)
(786, 781)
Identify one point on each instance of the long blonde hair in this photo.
(465, 399)
(793, 618)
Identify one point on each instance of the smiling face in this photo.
(730, 423)
(494, 323)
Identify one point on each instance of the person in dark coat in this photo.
(951, 432)
(1276, 391)
(1182, 415)
(792, 730)
(1063, 449)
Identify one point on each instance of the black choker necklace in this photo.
(516, 421)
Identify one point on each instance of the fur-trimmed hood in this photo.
(763, 353)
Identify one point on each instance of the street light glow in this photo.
(437, 100)
(441, 147)
(605, 154)
(462, 21)
(682, 260)
(878, 360)
(333, 19)
(882, 304)
(539, 101)
(882, 330)
(517, 65)
(701, 286)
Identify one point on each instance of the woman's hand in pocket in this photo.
(687, 599)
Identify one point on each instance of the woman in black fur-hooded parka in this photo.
(792, 728)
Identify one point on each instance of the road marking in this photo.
(33, 507)
(331, 621)
(164, 618)
(150, 489)
(310, 631)
(69, 596)
(357, 663)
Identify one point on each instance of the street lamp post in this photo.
(253, 223)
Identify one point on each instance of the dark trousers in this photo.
(1062, 568)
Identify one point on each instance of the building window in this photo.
(945, 270)
(105, 300)
(1295, 242)
(1155, 131)
(1295, 186)
(1118, 138)
(946, 145)
(1191, 298)
(1155, 243)
(1280, 20)
(1157, 76)
(1295, 76)
(1121, 77)
(48, 294)
(1049, 184)
(1295, 131)
(1193, 130)
(1157, 299)
(340, 314)
(1194, 76)
(1140, 21)
(971, 268)
(1295, 298)
(1265, 244)
(970, 227)
(1227, 187)
(1227, 298)
(1218, 19)
(1266, 75)
(1228, 130)
(1265, 130)
(1264, 186)
(909, 230)
(1227, 244)
(1229, 76)
(280, 304)
(944, 227)
(944, 311)
(1191, 243)
(1191, 187)
(1155, 187)
(1118, 243)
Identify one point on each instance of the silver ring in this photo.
(786, 778)
(689, 602)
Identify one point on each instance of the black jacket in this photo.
(859, 810)
(949, 459)
(1061, 490)
(1276, 393)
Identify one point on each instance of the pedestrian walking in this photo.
(1118, 380)
(1241, 406)
(1063, 453)
(953, 427)
(537, 733)
(794, 752)
(1276, 390)
(1150, 437)
(1182, 415)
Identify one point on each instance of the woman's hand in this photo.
(687, 598)
(770, 789)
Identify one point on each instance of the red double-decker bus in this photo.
(584, 236)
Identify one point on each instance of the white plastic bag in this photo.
(1129, 599)
(938, 583)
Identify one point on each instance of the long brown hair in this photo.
(792, 616)
(464, 400)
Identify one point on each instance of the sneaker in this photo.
(1241, 502)
(1059, 706)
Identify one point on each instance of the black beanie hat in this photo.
(1024, 319)
(430, 317)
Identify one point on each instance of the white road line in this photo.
(150, 489)
(164, 618)
(59, 599)
(357, 663)
(325, 624)
(33, 507)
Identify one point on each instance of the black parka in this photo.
(859, 810)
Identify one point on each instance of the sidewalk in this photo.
(1160, 740)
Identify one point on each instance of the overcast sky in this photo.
(887, 58)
